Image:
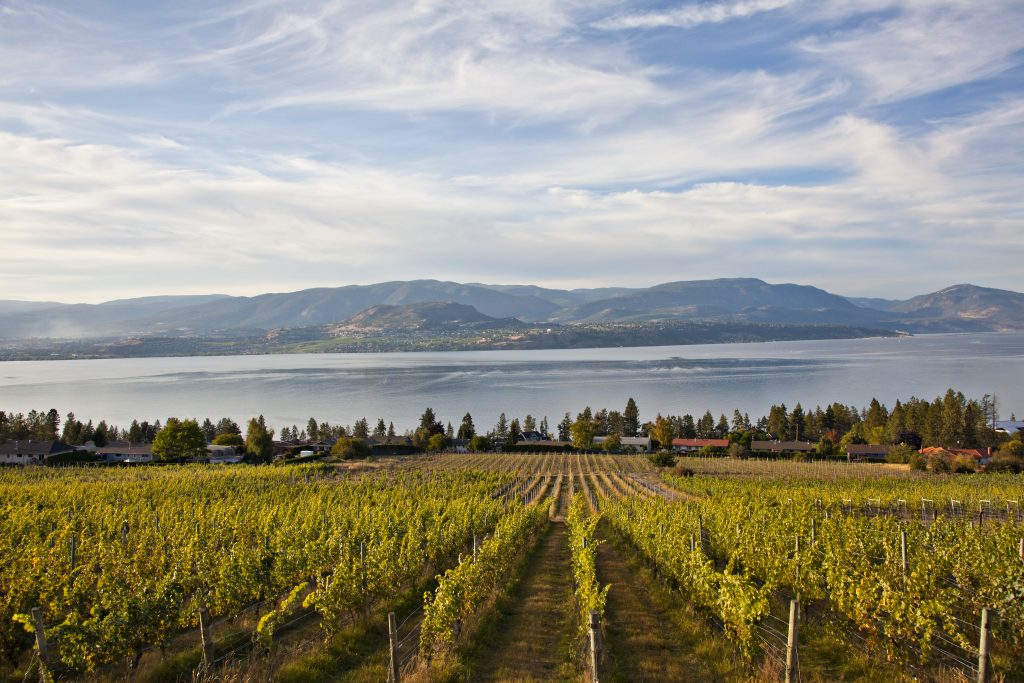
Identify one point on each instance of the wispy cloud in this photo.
(693, 15)
(188, 147)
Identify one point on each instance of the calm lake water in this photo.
(340, 388)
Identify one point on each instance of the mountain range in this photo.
(427, 304)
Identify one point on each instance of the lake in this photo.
(340, 388)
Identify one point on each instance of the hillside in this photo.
(962, 308)
(426, 316)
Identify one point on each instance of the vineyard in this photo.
(762, 571)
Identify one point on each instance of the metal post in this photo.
(396, 674)
(791, 644)
(983, 673)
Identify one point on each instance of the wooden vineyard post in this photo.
(41, 645)
(983, 674)
(395, 674)
(74, 551)
(206, 635)
(595, 644)
(791, 645)
(1020, 550)
(476, 547)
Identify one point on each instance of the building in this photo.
(863, 451)
(640, 444)
(778, 447)
(532, 436)
(690, 445)
(125, 452)
(1009, 427)
(30, 452)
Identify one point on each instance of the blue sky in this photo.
(870, 147)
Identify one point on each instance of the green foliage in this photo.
(462, 591)
(582, 433)
(229, 439)
(179, 439)
(259, 440)
(583, 546)
(349, 448)
(480, 443)
(662, 458)
(438, 443)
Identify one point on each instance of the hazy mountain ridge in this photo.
(747, 300)
(426, 316)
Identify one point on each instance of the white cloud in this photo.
(693, 15)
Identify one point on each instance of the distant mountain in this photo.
(425, 316)
(112, 318)
(967, 306)
(736, 300)
(330, 305)
(14, 306)
(869, 302)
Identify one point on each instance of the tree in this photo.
(663, 431)
(515, 433)
(722, 428)
(259, 440)
(529, 424)
(428, 420)
(313, 429)
(226, 425)
(100, 438)
(229, 439)
(381, 430)
(349, 448)
(179, 439)
(467, 430)
(688, 429)
(438, 442)
(501, 429)
(582, 434)
(480, 444)
(135, 432)
(612, 443)
(544, 428)
(630, 418)
(564, 428)
(391, 430)
(360, 430)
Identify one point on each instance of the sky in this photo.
(869, 147)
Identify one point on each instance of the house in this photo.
(125, 452)
(980, 455)
(637, 443)
(532, 436)
(30, 452)
(223, 455)
(863, 451)
(782, 447)
(1009, 427)
(690, 445)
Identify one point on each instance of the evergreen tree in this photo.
(361, 429)
(544, 428)
(515, 433)
(564, 428)
(259, 440)
(631, 419)
(467, 430)
(312, 429)
(227, 426)
(381, 430)
(529, 424)
(688, 429)
(501, 430)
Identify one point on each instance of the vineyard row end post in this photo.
(595, 644)
(41, 645)
(206, 634)
(792, 653)
(395, 672)
(983, 637)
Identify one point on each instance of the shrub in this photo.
(348, 448)
(480, 443)
(662, 458)
(901, 453)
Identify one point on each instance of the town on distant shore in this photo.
(950, 434)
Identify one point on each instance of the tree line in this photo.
(951, 420)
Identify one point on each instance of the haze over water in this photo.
(340, 388)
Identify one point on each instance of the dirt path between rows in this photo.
(535, 628)
(642, 642)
